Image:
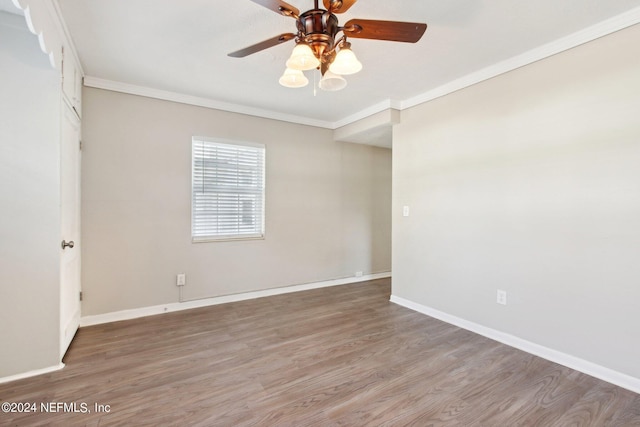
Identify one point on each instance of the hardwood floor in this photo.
(340, 356)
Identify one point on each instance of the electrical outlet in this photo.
(501, 297)
(358, 273)
(181, 279)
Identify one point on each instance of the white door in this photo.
(70, 228)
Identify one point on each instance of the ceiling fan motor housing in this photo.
(319, 28)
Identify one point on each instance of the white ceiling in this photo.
(181, 46)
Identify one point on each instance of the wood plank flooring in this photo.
(340, 356)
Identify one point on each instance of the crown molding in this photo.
(594, 32)
(201, 102)
(44, 25)
(44, 20)
(386, 105)
(609, 26)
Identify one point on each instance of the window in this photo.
(227, 198)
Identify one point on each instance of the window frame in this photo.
(260, 234)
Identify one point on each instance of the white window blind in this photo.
(227, 190)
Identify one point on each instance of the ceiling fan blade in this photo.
(338, 6)
(408, 32)
(274, 41)
(279, 6)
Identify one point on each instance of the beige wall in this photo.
(29, 202)
(530, 182)
(328, 205)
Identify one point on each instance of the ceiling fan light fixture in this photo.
(318, 45)
(302, 58)
(293, 78)
(346, 62)
(332, 82)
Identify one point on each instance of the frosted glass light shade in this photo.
(345, 63)
(293, 78)
(302, 58)
(332, 82)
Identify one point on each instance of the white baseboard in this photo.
(584, 366)
(31, 373)
(186, 305)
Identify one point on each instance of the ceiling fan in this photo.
(317, 45)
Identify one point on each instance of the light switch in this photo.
(181, 279)
(405, 211)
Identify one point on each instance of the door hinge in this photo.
(80, 145)
(80, 295)
(62, 67)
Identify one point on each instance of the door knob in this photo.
(68, 244)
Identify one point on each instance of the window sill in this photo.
(225, 238)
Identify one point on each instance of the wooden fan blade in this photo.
(338, 6)
(262, 45)
(279, 6)
(408, 32)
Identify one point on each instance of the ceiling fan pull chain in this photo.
(315, 84)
